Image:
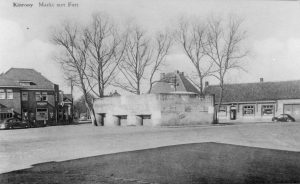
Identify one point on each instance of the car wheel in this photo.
(289, 120)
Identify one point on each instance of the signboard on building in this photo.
(41, 103)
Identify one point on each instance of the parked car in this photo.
(283, 118)
(13, 123)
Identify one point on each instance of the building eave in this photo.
(248, 102)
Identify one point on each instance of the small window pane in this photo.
(44, 96)
(267, 110)
(38, 96)
(248, 110)
(9, 93)
(24, 96)
(2, 94)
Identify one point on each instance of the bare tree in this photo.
(162, 44)
(192, 38)
(224, 48)
(74, 58)
(106, 48)
(142, 59)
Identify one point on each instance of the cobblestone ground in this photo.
(21, 148)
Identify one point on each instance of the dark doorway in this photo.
(122, 120)
(232, 114)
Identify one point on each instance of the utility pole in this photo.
(175, 82)
(72, 105)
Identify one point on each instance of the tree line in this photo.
(102, 54)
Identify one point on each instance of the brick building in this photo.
(254, 102)
(26, 92)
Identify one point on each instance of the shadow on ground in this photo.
(189, 163)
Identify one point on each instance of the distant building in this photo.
(114, 94)
(65, 108)
(257, 101)
(174, 82)
(26, 92)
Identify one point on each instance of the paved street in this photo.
(22, 148)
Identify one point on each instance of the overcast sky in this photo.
(273, 29)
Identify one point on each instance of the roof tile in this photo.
(14, 75)
(261, 91)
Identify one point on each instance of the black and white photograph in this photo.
(149, 91)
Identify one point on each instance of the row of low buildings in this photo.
(27, 93)
(248, 102)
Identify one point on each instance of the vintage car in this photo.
(14, 123)
(283, 118)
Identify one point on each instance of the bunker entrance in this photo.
(121, 120)
(144, 120)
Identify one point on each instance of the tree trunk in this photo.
(90, 107)
(219, 103)
(92, 114)
(138, 88)
(201, 86)
(200, 80)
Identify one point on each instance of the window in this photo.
(41, 114)
(38, 96)
(44, 96)
(267, 110)
(24, 83)
(222, 111)
(5, 115)
(24, 96)
(41, 96)
(2, 94)
(248, 110)
(9, 94)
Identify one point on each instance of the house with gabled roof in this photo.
(26, 92)
(257, 101)
(174, 82)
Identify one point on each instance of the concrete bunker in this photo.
(155, 110)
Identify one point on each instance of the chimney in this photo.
(261, 79)
(162, 76)
(206, 84)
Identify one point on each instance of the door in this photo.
(233, 114)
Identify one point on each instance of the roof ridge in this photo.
(255, 83)
(18, 68)
(184, 85)
(189, 83)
